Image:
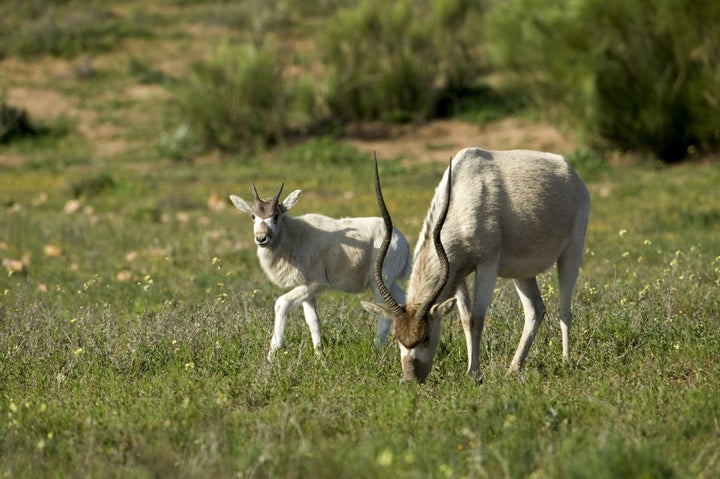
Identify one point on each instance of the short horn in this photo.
(256, 197)
(442, 255)
(277, 195)
(398, 310)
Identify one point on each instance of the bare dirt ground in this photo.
(440, 139)
(436, 140)
(32, 86)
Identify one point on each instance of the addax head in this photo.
(416, 326)
(417, 334)
(267, 215)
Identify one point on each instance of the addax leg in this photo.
(283, 305)
(463, 304)
(313, 322)
(484, 286)
(568, 268)
(383, 326)
(534, 309)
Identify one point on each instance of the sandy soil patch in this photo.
(41, 104)
(439, 140)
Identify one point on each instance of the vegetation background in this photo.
(134, 318)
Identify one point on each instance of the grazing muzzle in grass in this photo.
(418, 338)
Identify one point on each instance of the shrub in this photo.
(399, 60)
(14, 123)
(589, 164)
(179, 144)
(241, 99)
(636, 76)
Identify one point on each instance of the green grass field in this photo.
(135, 319)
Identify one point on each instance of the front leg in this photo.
(283, 305)
(474, 324)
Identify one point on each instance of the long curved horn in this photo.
(256, 197)
(442, 256)
(377, 270)
(277, 195)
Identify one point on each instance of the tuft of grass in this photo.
(63, 32)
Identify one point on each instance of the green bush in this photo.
(400, 61)
(636, 75)
(14, 123)
(179, 144)
(242, 99)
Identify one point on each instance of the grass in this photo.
(132, 342)
(138, 349)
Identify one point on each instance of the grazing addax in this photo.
(311, 253)
(495, 213)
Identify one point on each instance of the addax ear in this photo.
(443, 308)
(291, 199)
(377, 309)
(241, 204)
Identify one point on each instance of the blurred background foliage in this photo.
(641, 76)
(624, 76)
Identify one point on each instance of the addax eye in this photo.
(252, 216)
(275, 218)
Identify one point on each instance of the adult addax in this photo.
(495, 213)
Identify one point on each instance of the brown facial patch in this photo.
(266, 209)
(409, 330)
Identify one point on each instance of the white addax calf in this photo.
(495, 213)
(311, 253)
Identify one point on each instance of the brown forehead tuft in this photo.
(409, 330)
(265, 208)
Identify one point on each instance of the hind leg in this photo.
(568, 267)
(463, 304)
(382, 331)
(313, 322)
(384, 324)
(534, 309)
